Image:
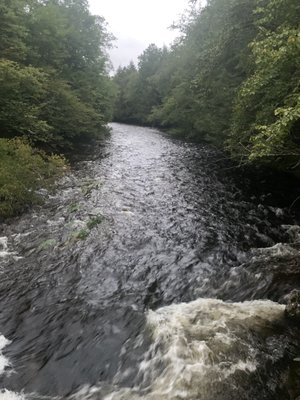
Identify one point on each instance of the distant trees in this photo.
(232, 79)
(140, 90)
(127, 100)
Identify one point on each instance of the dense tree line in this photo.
(232, 78)
(55, 91)
(54, 87)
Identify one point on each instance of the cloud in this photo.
(126, 50)
(137, 23)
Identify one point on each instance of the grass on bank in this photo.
(23, 170)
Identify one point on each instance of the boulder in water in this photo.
(292, 309)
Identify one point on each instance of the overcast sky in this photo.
(137, 23)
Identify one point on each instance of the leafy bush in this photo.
(267, 112)
(22, 89)
(23, 170)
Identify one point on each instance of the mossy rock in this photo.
(47, 244)
(94, 221)
(81, 235)
(74, 207)
(89, 186)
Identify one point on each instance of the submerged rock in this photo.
(293, 305)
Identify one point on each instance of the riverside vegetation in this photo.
(231, 78)
(55, 92)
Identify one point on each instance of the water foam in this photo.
(5, 252)
(4, 363)
(7, 395)
(4, 247)
(278, 250)
(204, 342)
(202, 350)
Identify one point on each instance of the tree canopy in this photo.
(55, 91)
(231, 78)
(55, 88)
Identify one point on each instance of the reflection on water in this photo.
(149, 224)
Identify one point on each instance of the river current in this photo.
(150, 273)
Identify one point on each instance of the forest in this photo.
(231, 78)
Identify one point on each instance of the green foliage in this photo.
(21, 92)
(190, 88)
(22, 171)
(232, 79)
(72, 121)
(55, 90)
(54, 85)
(127, 101)
(13, 30)
(214, 50)
(139, 90)
(266, 123)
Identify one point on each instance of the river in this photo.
(149, 274)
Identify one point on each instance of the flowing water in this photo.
(149, 274)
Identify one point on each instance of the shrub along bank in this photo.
(55, 91)
(22, 171)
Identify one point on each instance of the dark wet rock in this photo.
(293, 306)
